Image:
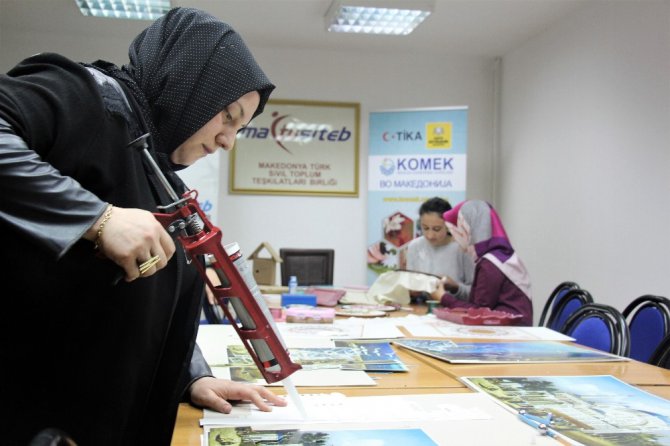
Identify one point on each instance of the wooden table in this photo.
(632, 372)
(187, 429)
(421, 378)
(430, 375)
(662, 391)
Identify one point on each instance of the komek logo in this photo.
(287, 129)
(416, 164)
(387, 167)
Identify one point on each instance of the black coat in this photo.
(105, 363)
(82, 354)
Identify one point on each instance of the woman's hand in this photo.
(439, 291)
(213, 393)
(445, 285)
(130, 237)
(449, 285)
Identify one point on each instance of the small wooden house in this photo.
(265, 268)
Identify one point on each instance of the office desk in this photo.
(426, 378)
(421, 378)
(187, 429)
(187, 432)
(428, 375)
(662, 391)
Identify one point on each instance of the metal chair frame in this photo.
(554, 299)
(611, 318)
(569, 303)
(661, 356)
(644, 316)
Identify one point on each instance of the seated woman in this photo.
(436, 253)
(501, 281)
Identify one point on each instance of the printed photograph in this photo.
(247, 436)
(505, 352)
(592, 410)
(376, 356)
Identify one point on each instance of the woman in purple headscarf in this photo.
(501, 280)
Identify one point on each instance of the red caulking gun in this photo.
(198, 236)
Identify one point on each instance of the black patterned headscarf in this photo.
(189, 66)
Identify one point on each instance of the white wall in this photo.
(584, 187)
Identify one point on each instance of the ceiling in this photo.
(487, 28)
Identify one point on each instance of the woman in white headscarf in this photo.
(501, 280)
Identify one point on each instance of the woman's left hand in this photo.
(213, 393)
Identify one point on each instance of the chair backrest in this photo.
(648, 319)
(554, 299)
(571, 301)
(599, 326)
(310, 266)
(661, 356)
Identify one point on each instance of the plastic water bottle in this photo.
(292, 285)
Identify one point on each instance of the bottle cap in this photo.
(232, 248)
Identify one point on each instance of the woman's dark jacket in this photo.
(107, 363)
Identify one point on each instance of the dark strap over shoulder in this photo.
(115, 100)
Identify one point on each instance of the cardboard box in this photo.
(265, 268)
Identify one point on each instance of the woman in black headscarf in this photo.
(106, 363)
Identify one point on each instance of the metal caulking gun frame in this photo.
(199, 236)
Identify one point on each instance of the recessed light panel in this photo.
(124, 9)
(374, 20)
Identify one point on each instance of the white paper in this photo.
(351, 328)
(337, 408)
(314, 378)
(457, 419)
(215, 339)
(431, 326)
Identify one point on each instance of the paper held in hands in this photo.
(394, 286)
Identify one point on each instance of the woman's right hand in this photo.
(130, 237)
(439, 290)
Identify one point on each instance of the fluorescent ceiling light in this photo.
(124, 9)
(390, 17)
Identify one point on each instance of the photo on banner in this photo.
(414, 155)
